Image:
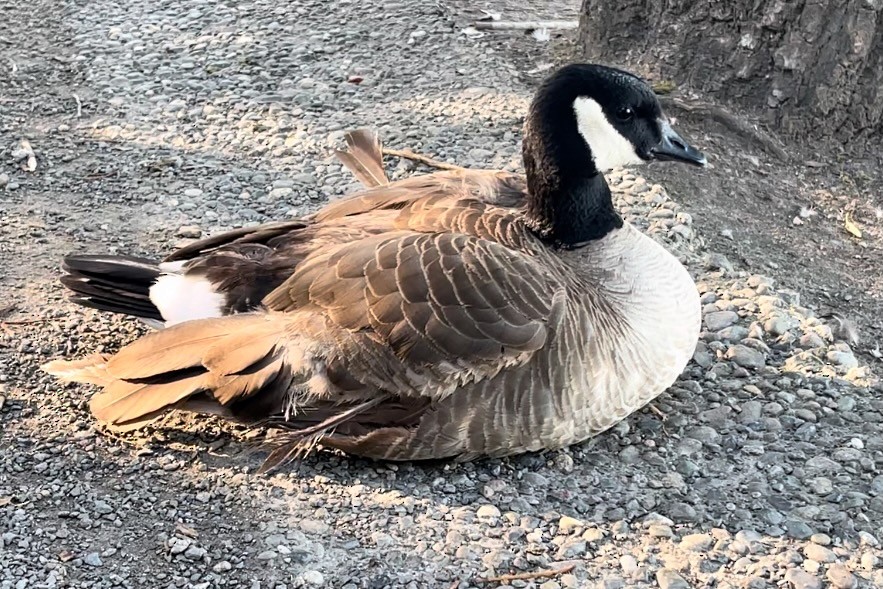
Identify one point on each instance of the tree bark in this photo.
(806, 67)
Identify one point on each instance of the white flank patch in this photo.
(609, 148)
(184, 298)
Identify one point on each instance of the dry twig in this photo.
(728, 120)
(24, 322)
(410, 155)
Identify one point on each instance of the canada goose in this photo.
(455, 314)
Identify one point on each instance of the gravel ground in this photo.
(760, 468)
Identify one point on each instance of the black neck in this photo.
(569, 202)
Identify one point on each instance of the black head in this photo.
(605, 115)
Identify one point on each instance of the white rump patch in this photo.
(609, 148)
(172, 267)
(184, 298)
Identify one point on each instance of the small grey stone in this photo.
(845, 359)
(312, 526)
(92, 559)
(798, 529)
(751, 411)
(192, 192)
(267, 555)
(630, 455)
(305, 179)
(103, 508)
(488, 511)
(798, 579)
(189, 231)
(720, 319)
(779, 325)
(697, 542)
(222, 566)
(841, 577)
(809, 341)
(671, 579)
(567, 524)
(4, 180)
(733, 333)
(313, 578)
(179, 545)
(682, 512)
(846, 403)
(715, 261)
(819, 553)
(572, 548)
(382, 539)
(195, 552)
(867, 538)
(535, 479)
(702, 356)
(706, 434)
(660, 531)
(274, 540)
(746, 357)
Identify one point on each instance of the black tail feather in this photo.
(118, 284)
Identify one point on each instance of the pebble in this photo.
(798, 579)
(488, 511)
(697, 542)
(682, 512)
(717, 320)
(313, 578)
(671, 579)
(746, 357)
(189, 231)
(92, 559)
(841, 577)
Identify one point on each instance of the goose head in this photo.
(603, 118)
(586, 119)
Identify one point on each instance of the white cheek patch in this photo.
(184, 298)
(609, 148)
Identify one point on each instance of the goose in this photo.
(451, 315)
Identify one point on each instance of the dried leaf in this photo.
(851, 227)
(488, 15)
(6, 500)
(66, 555)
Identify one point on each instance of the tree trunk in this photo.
(807, 67)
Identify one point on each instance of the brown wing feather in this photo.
(488, 186)
(427, 298)
(232, 358)
(245, 235)
(364, 157)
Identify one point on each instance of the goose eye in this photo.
(625, 114)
